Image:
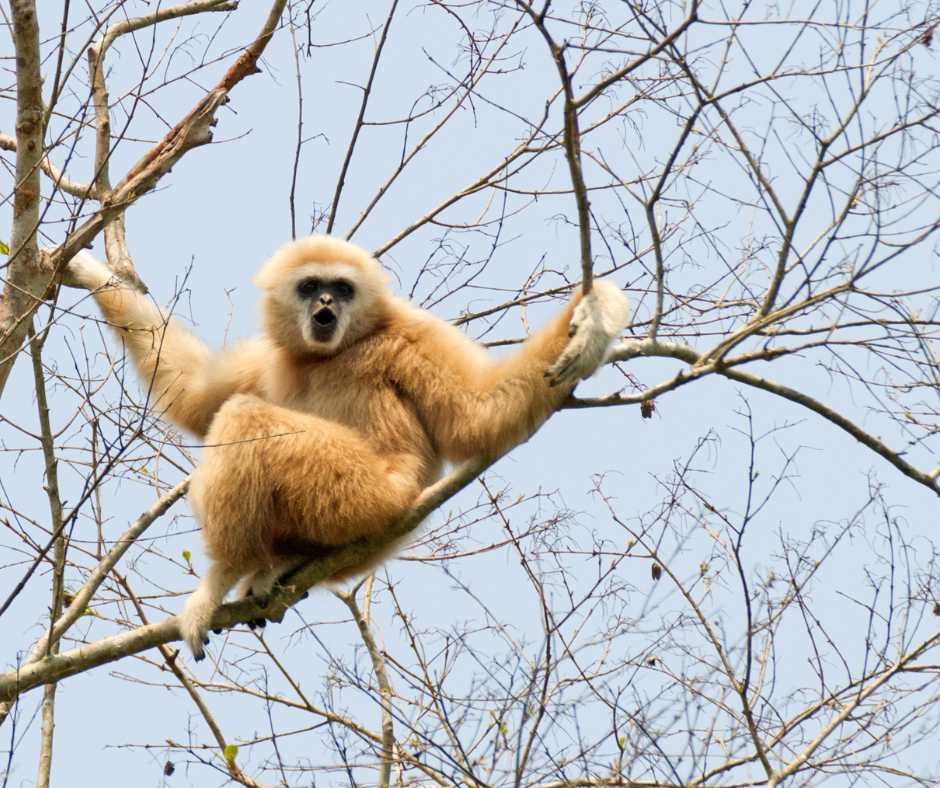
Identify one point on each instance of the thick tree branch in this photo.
(114, 235)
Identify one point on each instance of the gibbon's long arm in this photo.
(476, 406)
(188, 384)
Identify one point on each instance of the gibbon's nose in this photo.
(326, 299)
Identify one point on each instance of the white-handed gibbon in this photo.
(328, 426)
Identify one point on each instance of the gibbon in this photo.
(328, 426)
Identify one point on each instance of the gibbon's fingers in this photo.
(561, 371)
(85, 272)
(597, 320)
(585, 349)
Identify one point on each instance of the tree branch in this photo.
(572, 143)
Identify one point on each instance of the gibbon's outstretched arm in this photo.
(474, 405)
(188, 383)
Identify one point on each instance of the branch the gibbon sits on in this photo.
(327, 427)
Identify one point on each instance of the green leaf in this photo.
(4, 249)
(187, 556)
(230, 751)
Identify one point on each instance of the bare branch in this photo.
(67, 185)
(27, 276)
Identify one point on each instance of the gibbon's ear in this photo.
(319, 249)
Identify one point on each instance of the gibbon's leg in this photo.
(201, 605)
(272, 477)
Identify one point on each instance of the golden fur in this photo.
(322, 444)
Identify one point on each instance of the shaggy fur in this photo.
(319, 443)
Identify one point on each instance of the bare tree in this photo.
(734, 583)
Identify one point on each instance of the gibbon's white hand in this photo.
(596, 322)
(85, 272)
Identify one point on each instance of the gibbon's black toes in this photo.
(256, 623)
(305, 594)
(217, 631)
(251, 624)
(205, 640)
(199, 657)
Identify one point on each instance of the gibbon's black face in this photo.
(325, 299)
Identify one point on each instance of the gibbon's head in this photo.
(321, 295)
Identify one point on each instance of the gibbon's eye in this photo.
(344, 289)
(308, 287)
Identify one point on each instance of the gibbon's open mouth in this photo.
(323, 324)
(324, 317)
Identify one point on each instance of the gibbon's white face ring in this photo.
(324, 319)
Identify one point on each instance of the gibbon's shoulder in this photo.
(419, 331)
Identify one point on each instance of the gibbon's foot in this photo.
(196, 618)
(195, 635)
(262, 584)
(194, 627)
(598, 320)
